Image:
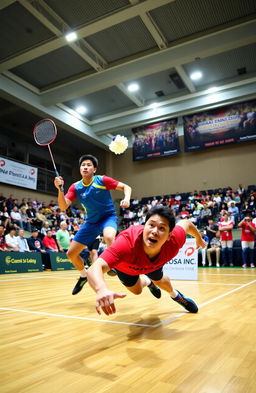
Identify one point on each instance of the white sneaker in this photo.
(217, 264)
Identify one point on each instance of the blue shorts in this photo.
(89, 231)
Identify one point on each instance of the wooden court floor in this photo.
(54, 342)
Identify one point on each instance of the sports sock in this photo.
(83, 273)
(174, 294)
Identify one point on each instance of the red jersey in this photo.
(50, 242)
(247, 234)
(226, 235)
(127, 253)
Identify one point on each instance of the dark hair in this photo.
(89, 157)
(162, 211)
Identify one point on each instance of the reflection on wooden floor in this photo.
(54, 342)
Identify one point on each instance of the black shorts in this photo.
(94, 245)
(129, 281)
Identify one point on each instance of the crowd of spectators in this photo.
(30, 225)
(47, 229)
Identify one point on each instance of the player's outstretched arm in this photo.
(125, 203)
(105, 297)
(192, 230)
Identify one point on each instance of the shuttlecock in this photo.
(119, 144)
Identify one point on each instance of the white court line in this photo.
(128, 323)
(204, 304)
(111, 279)
(235, 275)
(74, 317)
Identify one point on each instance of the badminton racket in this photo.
(45, 132)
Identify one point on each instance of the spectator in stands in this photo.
(206, 213)
(211, 229)
(22, 242)
(252, 204)
(2, 238)
(223, 209)
(247, 240)
(9, 203)
(50, 243)
(41, 218)
(5, 217)
(16, 218)
(233, 209)
(226, 237)
(36, 245)
(11, 240)
(31, 213)
(25, 220)
(62, 237)
(215, 247)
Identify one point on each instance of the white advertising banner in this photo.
(17, 174)
(185, 265)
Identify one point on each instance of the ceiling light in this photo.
(212, 89)
(196, 75)
(133, 87)
(154, 105)
(71, 36)
(81, 110)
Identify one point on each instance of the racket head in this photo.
(45, 132)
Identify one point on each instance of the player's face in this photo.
(87, 169)
(156, 232)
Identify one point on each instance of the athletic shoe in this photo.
(252, 265)
(79, 285)
(112, 272)
(217, 265)
(155, 291)
(231, 264)
(244, 265)
(186, 302)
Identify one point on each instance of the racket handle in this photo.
(61, 188)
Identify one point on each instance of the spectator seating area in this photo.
(198, 206)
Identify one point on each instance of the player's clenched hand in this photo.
(58, 181)
(105, 301)
(125, 203)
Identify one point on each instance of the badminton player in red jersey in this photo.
(138, 255)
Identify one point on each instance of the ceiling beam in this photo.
(90, 29)
(6, 3)
(177, 55)
(187, 81)
(178, 106)
(30, 101)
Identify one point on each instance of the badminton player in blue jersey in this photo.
(93, 192)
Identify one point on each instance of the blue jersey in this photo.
(94, 197)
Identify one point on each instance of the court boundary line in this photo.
(74, 317)
(204, 304)
(111, 279)
(162, 323)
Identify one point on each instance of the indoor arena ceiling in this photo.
(156, 44)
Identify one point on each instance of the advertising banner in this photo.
(185, 265)
(20, 262)
(155, 140)
(12, 172)
(60, 261)
(221, 126)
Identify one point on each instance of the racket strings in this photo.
(45, 133)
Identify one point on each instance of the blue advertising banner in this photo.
(20, 262)
(221, 126)
(155, 140)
